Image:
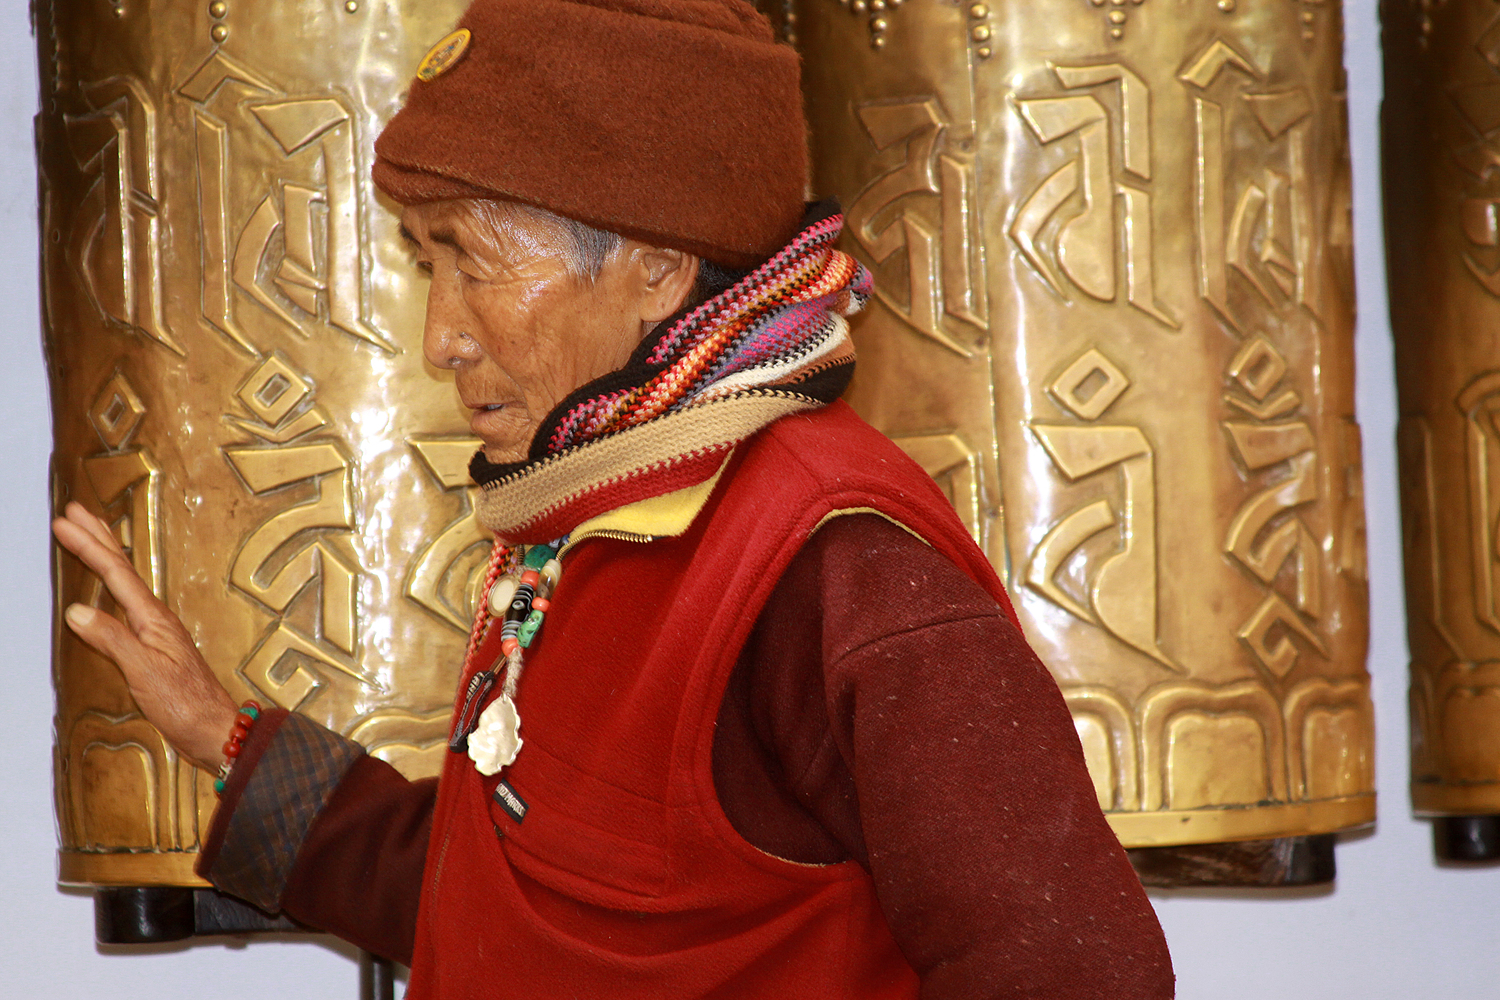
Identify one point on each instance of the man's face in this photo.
(507, 312)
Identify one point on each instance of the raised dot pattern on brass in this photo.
(239, 392)
(1113, 318)
(878, 14)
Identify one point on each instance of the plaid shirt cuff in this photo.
(266, 812)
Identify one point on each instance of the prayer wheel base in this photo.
(146, 915)
(1284, 862)
(1466, 838)
(159, 914)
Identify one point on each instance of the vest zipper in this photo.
(610, 533)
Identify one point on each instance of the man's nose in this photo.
(446, 340)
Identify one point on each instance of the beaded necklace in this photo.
(518, 589)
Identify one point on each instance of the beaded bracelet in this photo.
(243, 720)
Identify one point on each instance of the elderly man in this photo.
(782, 736)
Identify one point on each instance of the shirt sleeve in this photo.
(311, 826)
(900, 709)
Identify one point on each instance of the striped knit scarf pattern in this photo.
(774, 344)
(776, 327)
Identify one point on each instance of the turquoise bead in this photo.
(537, 556)
(529, 628)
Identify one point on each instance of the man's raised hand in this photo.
(167, 676)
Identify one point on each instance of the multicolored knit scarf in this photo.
(775, 343)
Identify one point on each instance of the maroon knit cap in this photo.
(676, 122)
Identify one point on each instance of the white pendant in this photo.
(501, 594)
(497, 739)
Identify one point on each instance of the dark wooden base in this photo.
(158, 914)
(1466, 838)
(162, 914)
(1286, 861)
(143, 916)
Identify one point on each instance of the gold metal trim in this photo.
(146, 868)
(1201, 826)
(1481, 799)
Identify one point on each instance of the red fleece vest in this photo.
(624, 880)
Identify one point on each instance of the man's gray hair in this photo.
(585, 247)
(588, 248)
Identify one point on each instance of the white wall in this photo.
(1396, 925)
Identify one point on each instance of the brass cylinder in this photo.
(233, 340)
(1114, 319)
(1442, 204)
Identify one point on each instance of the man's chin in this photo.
(504, 454)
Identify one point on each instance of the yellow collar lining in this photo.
(657, 517)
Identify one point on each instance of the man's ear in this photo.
(668, 277)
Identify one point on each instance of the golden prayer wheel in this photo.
(232, 334)
(1114, 319)
(1442, 108)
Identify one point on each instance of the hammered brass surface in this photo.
(1442, 202)
(1114, 320)
(233, 340)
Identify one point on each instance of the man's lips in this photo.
(494, 422)
(471, 404)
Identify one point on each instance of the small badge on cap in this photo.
(444, 55)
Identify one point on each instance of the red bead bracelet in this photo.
(243, 720)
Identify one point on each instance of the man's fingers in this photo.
(86, 545)
(104, 633)
(134, 597)
(171, 684)
(80, 515)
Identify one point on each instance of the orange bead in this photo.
(532, 577)
(232, 749)
(508, 646)
(540, 604)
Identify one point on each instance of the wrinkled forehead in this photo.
(472, 225)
